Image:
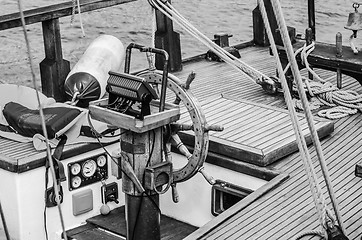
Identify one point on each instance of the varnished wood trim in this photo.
(264, 173)
(38, 160)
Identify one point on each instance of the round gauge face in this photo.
(75, 169)
(89, 168)
(76, 181)
(101, 160)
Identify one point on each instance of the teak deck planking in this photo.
(289, 209)
(264, 133)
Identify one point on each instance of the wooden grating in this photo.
(253, 133)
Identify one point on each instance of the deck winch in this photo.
(147, 131)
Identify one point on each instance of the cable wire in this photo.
(313, 184)
(324, 214)
(285, 37)
(168, 10)
(118, 165)
(4, 223)
(50, 159)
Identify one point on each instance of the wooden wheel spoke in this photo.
(176, 127)
(180, 146)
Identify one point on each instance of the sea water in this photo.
(132, 22)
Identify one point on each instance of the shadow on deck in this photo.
(112, 226)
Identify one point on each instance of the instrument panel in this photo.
(87, 171)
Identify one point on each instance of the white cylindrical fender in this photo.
(88, 78)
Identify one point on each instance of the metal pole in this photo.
(311, 17)
(142, 210)
(143, 217)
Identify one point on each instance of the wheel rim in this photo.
(198, 119)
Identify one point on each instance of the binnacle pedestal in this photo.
(143, 168)
(142, 214)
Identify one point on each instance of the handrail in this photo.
(54, 11)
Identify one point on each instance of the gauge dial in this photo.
(75, 169)
(101, 160)
(89, 168)
(76, 181)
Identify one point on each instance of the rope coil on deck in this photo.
(309, 233)
(343, 102)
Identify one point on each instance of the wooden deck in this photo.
(253, 133)
(21, 157)
(288, 209)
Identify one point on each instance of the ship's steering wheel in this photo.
(199, 126)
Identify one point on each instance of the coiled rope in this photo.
(324, 214)
(342, 102)
(41, 112)
(309, 233)
(168, 10)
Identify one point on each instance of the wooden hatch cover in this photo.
(253, 132)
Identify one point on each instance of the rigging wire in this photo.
(45, 207)
(49, 157)
(4, 223)
(168, 10)
(315, 189)
(316, 192)
(308, 113)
